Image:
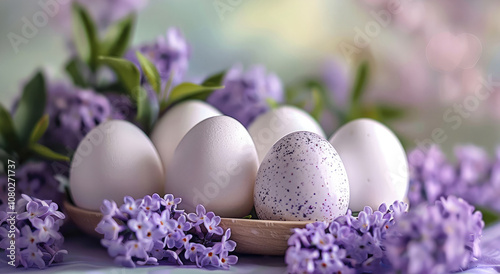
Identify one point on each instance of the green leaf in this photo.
(371, 112)
(7, 130)
(47, 153)
(151, 72)
(127, 72)
(489, 217)
(290, 95)
(390, 112)
(75, 70)
(166, 89)
(272, 103)
(360, 83)
(147, 112)
(248, 217)
(188, 90)
(39, 129)
(318, 104)
(214, 80)
(117, 38)
(85, 35)
(365, 111)
(30, 108)
(115, 87)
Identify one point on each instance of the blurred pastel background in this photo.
(414, 63)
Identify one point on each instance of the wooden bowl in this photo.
(85, 220)
(261, 237)
(252, 236)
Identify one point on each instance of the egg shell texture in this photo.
(273, 125)
(215, 165)
(175, 123)
(114, 160)
(301, 178)
(375, 162)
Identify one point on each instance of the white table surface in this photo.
(86, 255)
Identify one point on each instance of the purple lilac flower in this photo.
(146, 231)
(37, 233)
(169, 53)
(349, 244)
(226, 260)
(47, 228)
(31, 257)
(34, 179)
(199, 216)
(73, 113)
(33, 211)
(5, 239)
(110, 228)
(212, 225)
(244, 94)
(438, 238)
(474, 176)
(122, 108)
(225, 244)
(130, 206)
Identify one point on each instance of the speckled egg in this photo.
(302, 178)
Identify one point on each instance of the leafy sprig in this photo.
(82, 69)
(20, 132)
(148, 110)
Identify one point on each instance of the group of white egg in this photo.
(282, 164)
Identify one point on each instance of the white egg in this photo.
(375, 162)
(301, 178)
(175, 123)
(215, 165)
(114, 160)
(273, 125)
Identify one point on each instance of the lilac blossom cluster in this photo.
(73, 113)
(474, 176)
(436, 238)
(145, 231)
(245, 93)
(348, 245)
(169, 54)
(35, 232)
(439, 238)
(33, 179)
